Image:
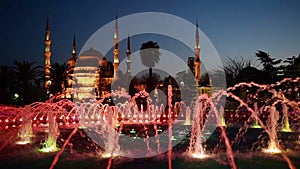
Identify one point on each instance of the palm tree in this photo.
(58, 76)
(155, 77)
(149, 53)
(26, 81)
(5, 84)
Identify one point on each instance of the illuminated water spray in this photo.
(25, 133)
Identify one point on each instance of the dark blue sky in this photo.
(236, 28)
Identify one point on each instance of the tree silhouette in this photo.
(57, 74)
(187, 83)
(27, 79)
(6, 80)
(293, 68)
(250, 74)
(232, 68)
(269, 65)
(186, 79)
(149, 53)
(150, 56)
(123, 81)
(156, 78)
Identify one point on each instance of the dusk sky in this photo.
(236, 28)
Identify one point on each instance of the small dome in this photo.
(103, 62)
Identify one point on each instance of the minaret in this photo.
(116, 49)
(47, 54)
(72, 60)
(128, 53)
(197, 61)
(70, 71)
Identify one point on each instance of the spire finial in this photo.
(74, 47)
(47, 25)
(116, 27)
(128, 45)
(197, 36)
(74, 40)
(47, 36)
(128, 53)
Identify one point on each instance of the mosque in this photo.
(91, 74)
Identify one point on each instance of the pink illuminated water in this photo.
(25, 133)
(170, 121)
(108, 121)
(195, 148)
(271, 126)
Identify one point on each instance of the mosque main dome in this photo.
(91, 52)
(86, 74)
(89, 58)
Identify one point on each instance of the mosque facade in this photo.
(90, 74)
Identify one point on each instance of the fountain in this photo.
(195, 148)
(272, 127)
(286, 124)
(223, 123)
(53, 132)
(110, 132)
(25, 133)
(256, 123)
(188, 116)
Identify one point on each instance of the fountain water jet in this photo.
(196, 149)
(223, 123)
(274, 92)
(56, 158)
(113, 154)
(229, 150)
(286, 124)
(188, 116)
(25, 133)
(113, 112)
(256, 111)
(157, 138)
(170, 121)
(50, 143)
(272, 127)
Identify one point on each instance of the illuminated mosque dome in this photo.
(89, 58)
(91, 52)
(86, 74)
